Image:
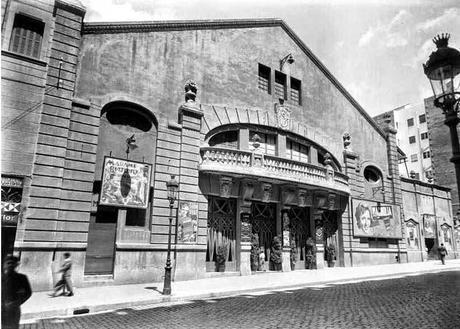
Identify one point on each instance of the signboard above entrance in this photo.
(125, 183)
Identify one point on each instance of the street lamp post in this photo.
(443, 71)
(173, 187)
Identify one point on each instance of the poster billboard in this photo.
(187, 224)
(125, 183)
(429, 226)
(376, 220)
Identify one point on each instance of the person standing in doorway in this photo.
(442, 253)
(65, 282)
(15, 291)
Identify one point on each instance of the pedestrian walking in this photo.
(65, 281)
(442, 253)
(15, 291)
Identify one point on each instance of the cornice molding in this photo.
(160, 26)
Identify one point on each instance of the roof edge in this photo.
(133, 27)
(418, 182)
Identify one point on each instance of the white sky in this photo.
(375, 48)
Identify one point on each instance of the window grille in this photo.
(27, 36)
(280, 85)
(296, 96)
(264, 78)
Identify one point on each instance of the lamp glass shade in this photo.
(173, 188)
(445, 80)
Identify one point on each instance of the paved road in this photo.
(425, 301)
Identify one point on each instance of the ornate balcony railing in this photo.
(220, 160)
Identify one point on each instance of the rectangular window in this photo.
(264, 78)
(296, 151)
(280, 85)
(27, 36)
(424, 135)
(296, 95)
(422, 118)
(411, 139)
(410, 122)
(426, 155)
(414, 158)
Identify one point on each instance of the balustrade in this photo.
(227, 160)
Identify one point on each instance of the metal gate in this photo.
(300, 231)
(264, 225)
(221, 232)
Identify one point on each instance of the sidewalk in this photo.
(105, 298)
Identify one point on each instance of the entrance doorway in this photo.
(429, 243)
(299, 219)
(100, 252)
(221, 233)
(263, 222)
(8, 237)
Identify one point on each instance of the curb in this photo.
(89, 309)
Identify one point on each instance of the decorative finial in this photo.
(190, 91)
(442, 40)
(347, 141)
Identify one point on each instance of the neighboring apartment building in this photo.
(94, 124)
(412, 138)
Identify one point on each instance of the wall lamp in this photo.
(288, 58)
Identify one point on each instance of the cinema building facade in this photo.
(261, 137)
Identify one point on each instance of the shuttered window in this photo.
(280, 85)
(296, 151)
(264, 78)
(27, 36)
(296, 91)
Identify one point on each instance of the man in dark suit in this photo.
(442, 253)
(15, 291)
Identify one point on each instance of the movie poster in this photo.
(125, 183)
(376, 220)
(187, 223)
(429, 226)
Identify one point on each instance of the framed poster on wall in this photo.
(125, 183)
(376, 219)
(187, 223)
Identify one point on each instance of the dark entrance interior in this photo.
(429, 243)
(100, 252)
(8, 237)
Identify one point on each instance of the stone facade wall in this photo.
(421, 199)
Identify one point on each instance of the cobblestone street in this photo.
(425, 301)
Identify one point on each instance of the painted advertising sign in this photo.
(429, 226)
(125, 183)
(377, 220)
(187, 223)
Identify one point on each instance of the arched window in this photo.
(226, 139)
(373, 183)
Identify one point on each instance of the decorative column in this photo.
(352, 169)
(318, 222)
(190, 253)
